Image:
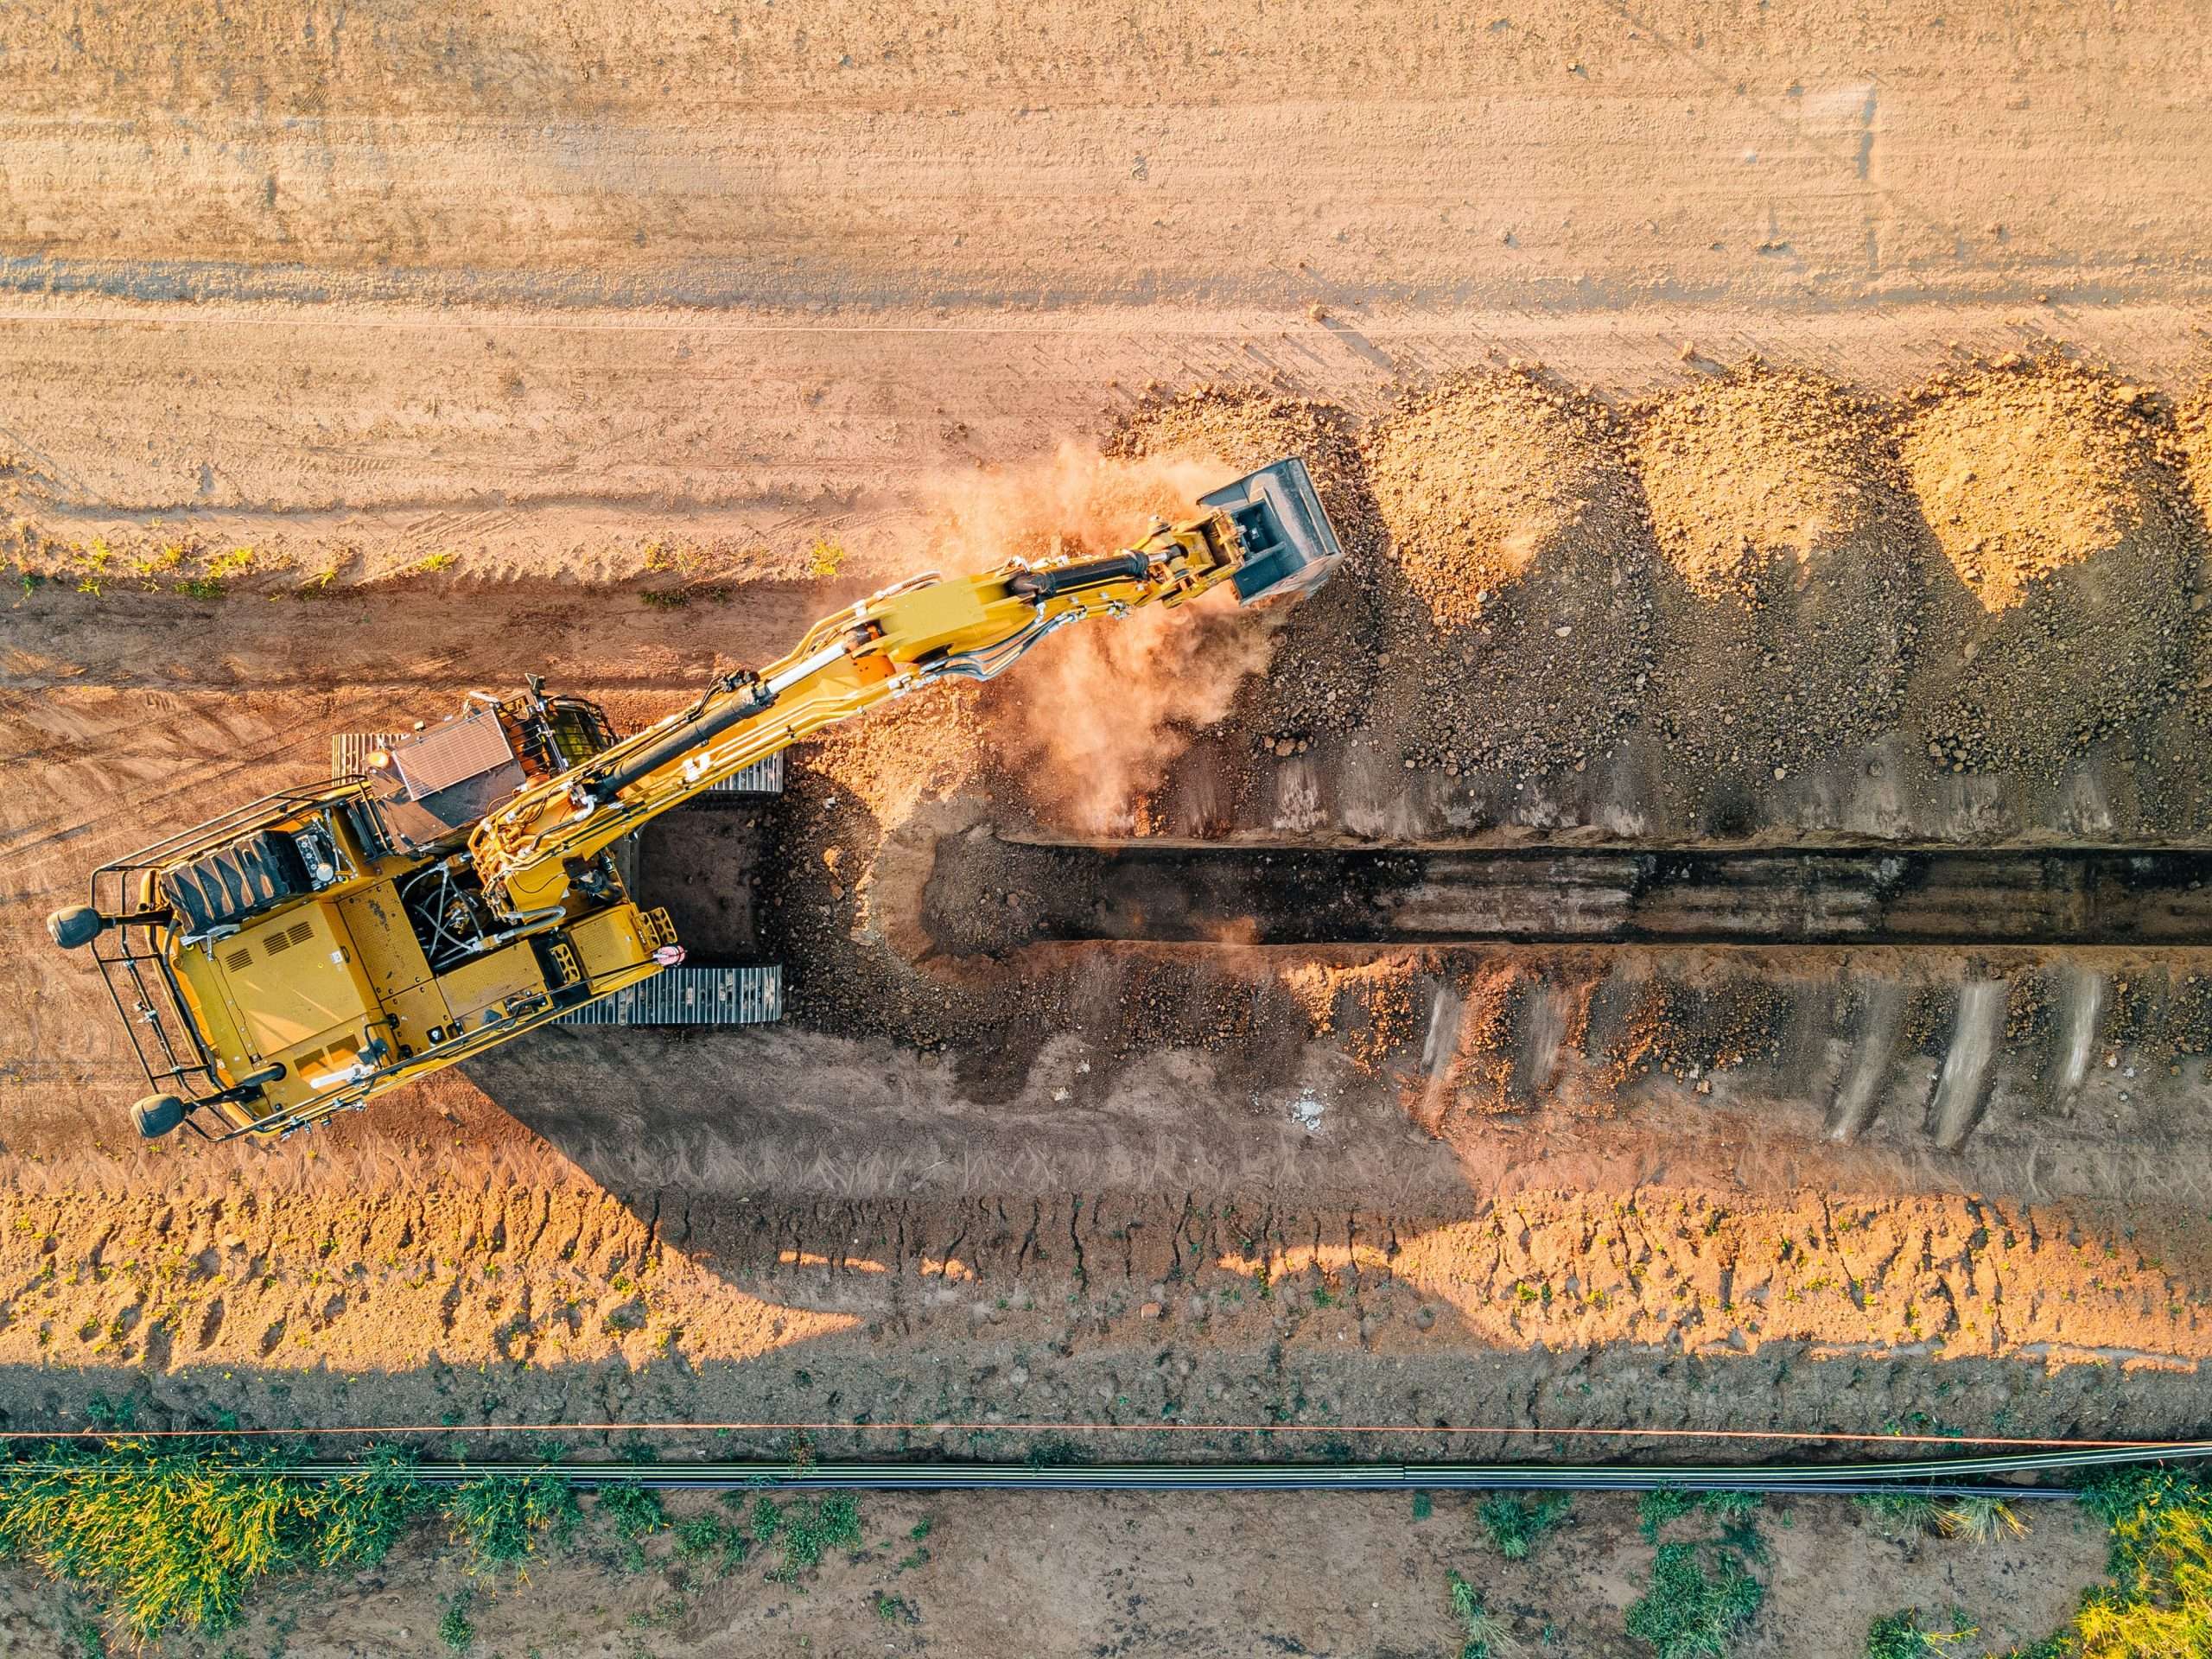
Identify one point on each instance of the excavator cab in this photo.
(1290, 548)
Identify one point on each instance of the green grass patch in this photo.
(1983, 1521)
(805, 1530)
(1481, 1633)
(636, 1513)
(1516, 1524)
(503, 1518)
(1698, 1602)
(455, 1629)
(2159, 1601)
(1902, 1636)
(177, 1536)
(1899, 1516)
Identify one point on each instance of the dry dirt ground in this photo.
(967, 1573)
(1748, 424)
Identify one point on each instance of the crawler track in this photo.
(1250, 894)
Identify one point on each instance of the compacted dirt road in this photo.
(1752, 427)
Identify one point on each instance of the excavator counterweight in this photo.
(305, 953)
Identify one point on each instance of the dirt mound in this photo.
(2052, 491)
(1324, 670)
(1480, 480)
(1757, 467)
(2027, 470)
(2193, 423)
(1791, 585)
(1521, 539)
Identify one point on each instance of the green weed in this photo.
(1659, 1506)
(703, 1535)
(1900, 1636)
(805, 1530)
(1482, 1633)
(84, 1636)
(1664, 1503)
(501, 1517)
(636, 1513)
(1516, 1525)
(825, 559)
(2160, 1599)
(1983, 1521)
(454, 1627)
(363, 1513)
(1687, 1613)
(1899, 1516)
(174, 1537)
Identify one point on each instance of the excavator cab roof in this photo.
(1289, 545)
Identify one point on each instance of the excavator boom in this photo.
(1266, 534)
(306, 953)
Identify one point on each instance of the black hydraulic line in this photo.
(1349, 1477)
(691, 729)
(1082, 573)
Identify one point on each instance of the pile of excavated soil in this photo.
(1324, 660)
(1518, 526)
(2193, 422)
(1789, 588)
(2053, 492)
(1481, 479)
(1759, 468)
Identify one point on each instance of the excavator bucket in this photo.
(1289, 547)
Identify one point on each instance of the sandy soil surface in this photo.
(1143, 1576)
(1760, 424)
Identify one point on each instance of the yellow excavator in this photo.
(463, 885)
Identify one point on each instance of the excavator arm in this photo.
(1266, 534)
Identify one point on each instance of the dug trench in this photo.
(1241, 892)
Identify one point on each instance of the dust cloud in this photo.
(1103, 708)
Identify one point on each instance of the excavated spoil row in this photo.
(1763, 569)
(505, 1308)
